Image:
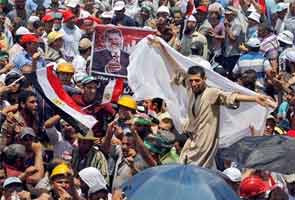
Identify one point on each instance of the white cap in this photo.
(216, 7)
(191, 18)
(33, 19)
(255, 16)
(289, 178)
(107, 15)
(251, 8)
(234, 174)
(286, 37)
(253, 42)
(163, 9)
(72, 3)
(290, 55)
(11, 180)
(92, 177)
(22, 31)
(280, 7)
(119, 5)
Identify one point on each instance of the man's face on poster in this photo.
(114, 41)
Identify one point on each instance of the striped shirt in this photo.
(254, 61)
(269, 47)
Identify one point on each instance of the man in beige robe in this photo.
(203, 110)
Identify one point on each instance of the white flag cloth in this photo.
(149, 76)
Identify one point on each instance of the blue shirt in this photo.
(31, 5)
(24, 59)
(283, 109)
(254, 61)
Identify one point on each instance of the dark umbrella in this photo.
(272, 153)
(177, 182)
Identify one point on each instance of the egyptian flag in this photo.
(49, 86)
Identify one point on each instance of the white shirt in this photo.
(71, 40)
(79, 63)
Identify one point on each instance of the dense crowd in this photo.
(44, 156)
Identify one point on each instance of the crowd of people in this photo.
(44, 156)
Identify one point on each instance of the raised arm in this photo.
(259, 99)
(175, 66)
(178, 74)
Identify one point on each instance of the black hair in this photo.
(38, 24)
(266, 27)
(249, 78)
(254, 49)
(193, 70)
(24, 95)
(112, 31)
(40, 8)
(159, 103)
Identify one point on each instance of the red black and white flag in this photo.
(49, 86)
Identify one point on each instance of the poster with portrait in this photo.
(112, 46)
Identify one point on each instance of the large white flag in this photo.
(149, 76)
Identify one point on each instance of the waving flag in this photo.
(49, 86)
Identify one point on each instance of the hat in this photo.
(53, 36)
(234, 174)
(11, 180)
(23, 31)
(230, 10)
(93, 179)
(29, 39)
(289, 178)
(255, 16)
(191, 18)
(290, 55)
(163, 9)
(216, 7)
(84, 44)
(291, 133)
(88, 79)
(47, 18)
(61, 169)
(33, 19)
(251, 8)
(107, 15)
(27, 131)
(286, 37)
(14, 151)
(202, 8)
(157, 144)
(253, 42)
(4, 55)
(119, 5)
(141, 121)
(280, 7)
(72, 3)
(68, 15)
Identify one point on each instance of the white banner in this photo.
(148, 77)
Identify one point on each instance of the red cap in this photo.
(252, 186)
(291, 133)
(29, 38)
(68, 15)
(203, 9)
(47, 18)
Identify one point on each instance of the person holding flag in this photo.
(203, 110)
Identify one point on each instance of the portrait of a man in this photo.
(112, 59)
